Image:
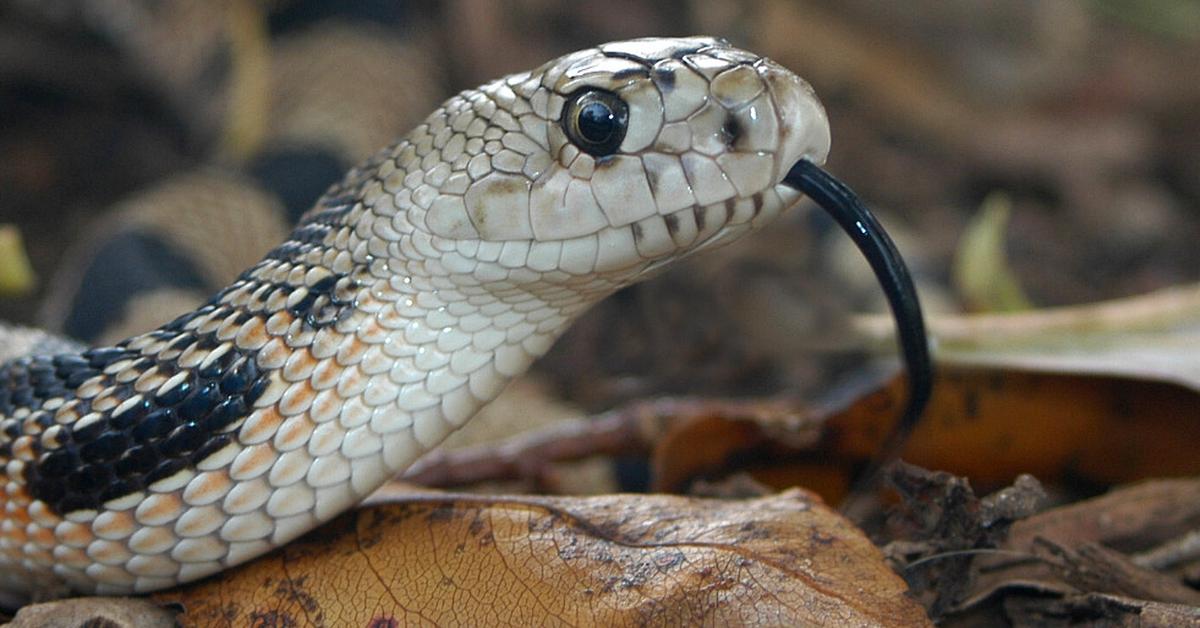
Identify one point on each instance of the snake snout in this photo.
(803, 125)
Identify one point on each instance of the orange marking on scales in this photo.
(260, 425)
(299, 365)
(253, 462)
(74, 534)
(207, 487)
(158, 509)
(109, 552)
(41, 514)
(114, 525)
(294, 433)
(72, 557)
(351, 351)
(44, 537)
(326, 374)
(252, 335)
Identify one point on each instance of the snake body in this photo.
(413, 291)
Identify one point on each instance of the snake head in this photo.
(606, 163)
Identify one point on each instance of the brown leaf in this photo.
(615, 560)
(1064, 545)
(1099, 609)
(1091, 567)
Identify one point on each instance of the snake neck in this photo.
(338, 359)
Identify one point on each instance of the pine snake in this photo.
(407, 298)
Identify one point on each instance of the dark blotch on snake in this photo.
(214, 444)
(136, 461)
(628, 73)
(159, 434)
(664, 78)
(132, 415)
(89, 432)
(176, 393)
(57, 464)
(106, 448)
(88, 479)
(185, 439)
(156, 425)
(224, 413)
(119, 489)
(242, 376)
(166, 469)
(200, 403)
(672, 224)
(731, 130)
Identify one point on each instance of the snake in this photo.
(404, 300)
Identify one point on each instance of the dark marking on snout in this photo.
(731, 130)
(637, 233)
(682, 51)
(698, 211)
(664, 78)
(730, 208)
(629, 73)
(677, 51)
(672, 221)
(652, 174)
(757, 199)
(605, 161)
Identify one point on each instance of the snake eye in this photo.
(596, 120)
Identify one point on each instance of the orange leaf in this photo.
(992, 425)
(989, 425)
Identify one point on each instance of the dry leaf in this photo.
(1071, 541)
(615, 560)
(1154, 336)
(1114, 611)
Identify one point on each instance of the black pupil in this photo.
(596, 122)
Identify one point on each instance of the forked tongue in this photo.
(834, 197)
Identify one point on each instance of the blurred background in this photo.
(151, 149)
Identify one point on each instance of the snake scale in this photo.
(406, 299)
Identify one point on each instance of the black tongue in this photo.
(834, 197)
